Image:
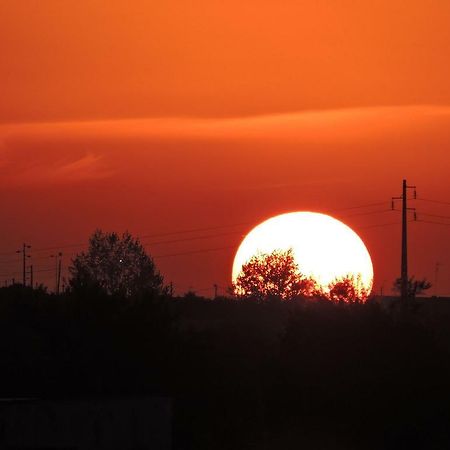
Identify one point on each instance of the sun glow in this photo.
(324, 248)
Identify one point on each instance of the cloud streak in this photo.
(19, 172)
(55, 152)
(297, 124)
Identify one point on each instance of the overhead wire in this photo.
(429, 200)
(194, 238)
(18, 272)
(191, 238)
(233, 246)
(187, 231)
(192, 230)
(212, 228)
(439, 216)
(367, 205)
(192, 252)
(433, 222)
(386, 224)
(367, 213)
(30, 259)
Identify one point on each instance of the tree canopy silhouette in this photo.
(415, 287)
(273, 276)
(118, 265)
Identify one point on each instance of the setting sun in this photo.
(324, 248)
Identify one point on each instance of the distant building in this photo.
(122, 423)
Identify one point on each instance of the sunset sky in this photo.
(163, 117)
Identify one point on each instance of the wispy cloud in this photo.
(56, 152)
(18, 171)
(87, 167)
(281, 126)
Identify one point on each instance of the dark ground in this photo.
(241, 375)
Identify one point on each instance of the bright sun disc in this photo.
(324, 248)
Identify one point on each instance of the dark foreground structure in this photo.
(239, 375)
(121, 423)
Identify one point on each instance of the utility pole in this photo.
(58, 257)
(404, 259)
(215, 290)
(24, 265)
(59, 274)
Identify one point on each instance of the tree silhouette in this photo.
(415, 287)
(273, 276)
(117, 265)
(348, 289)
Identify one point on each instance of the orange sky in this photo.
(175, 115)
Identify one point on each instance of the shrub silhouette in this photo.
(415, 287)
(348, 289)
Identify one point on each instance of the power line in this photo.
(188, 231)
(199, 251)
(434, 222)
(434, 215)
(439, 202)
(10, 274)
(59, 247)
(214, 249)
(233, 246)
(193, 230)
(209, 236)
(205, 250)
(34, 258)
(380, 225)
(367, 205)
(367, 213)
(192, 238)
